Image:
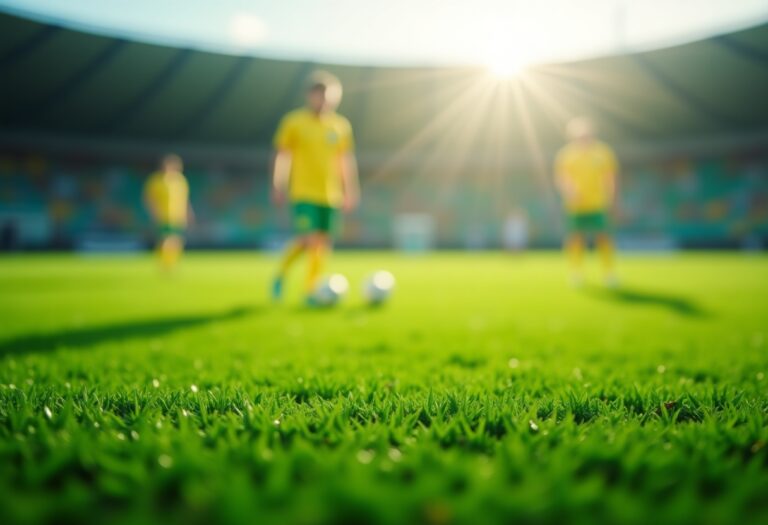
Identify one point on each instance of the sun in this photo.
(247, 30)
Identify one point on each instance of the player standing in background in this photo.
(586, 175)
(166, 196)
(315, 169)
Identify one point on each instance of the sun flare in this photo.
(506, 65)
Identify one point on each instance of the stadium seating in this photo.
(707, 202)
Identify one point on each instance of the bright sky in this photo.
(405, 31)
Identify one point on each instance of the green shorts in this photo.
(309, 217)
(592, 222)
(169, 230)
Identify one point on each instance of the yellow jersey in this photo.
(316, 143)
(168, 194)
(587, 174)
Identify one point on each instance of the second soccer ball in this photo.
(378, 287)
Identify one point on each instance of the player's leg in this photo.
(574, 249)
(303, 221)
(292, 252)
(319, 247)
(173, 248)
(160, 251)
(169, 246)
(574, 246)
(606, 247)
(326, 222)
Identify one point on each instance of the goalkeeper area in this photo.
(129, 396)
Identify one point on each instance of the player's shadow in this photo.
(676, 304)
(93, 335)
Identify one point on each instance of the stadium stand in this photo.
(84, 117)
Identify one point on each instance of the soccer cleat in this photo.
(312, 302)
(277, 289)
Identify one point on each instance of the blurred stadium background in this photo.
(84, 118)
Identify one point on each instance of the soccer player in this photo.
(586, 175)
(315, 169)
(166, 196)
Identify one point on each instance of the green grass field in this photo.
(486, 392)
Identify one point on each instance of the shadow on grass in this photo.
(367, 308)
(347, 310)
(92, 335)
(630, 296)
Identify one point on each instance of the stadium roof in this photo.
(60, 81)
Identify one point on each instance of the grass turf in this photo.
(487, 391)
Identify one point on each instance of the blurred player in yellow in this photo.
(316, 171)
(166, 196)
(586, 175)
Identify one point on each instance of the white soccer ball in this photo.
(331, 290)
(378, 287)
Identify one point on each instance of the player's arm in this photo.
(284, 141)
(613, 189)
(149, 203)
(281, 174)
(350, 181)
(612, 182)
(563, 183)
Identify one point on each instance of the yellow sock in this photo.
(574, 248)
(162, 255)
(169, 251)
(291, 255)
(316, 259)
(607, 250)
(176, 251)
